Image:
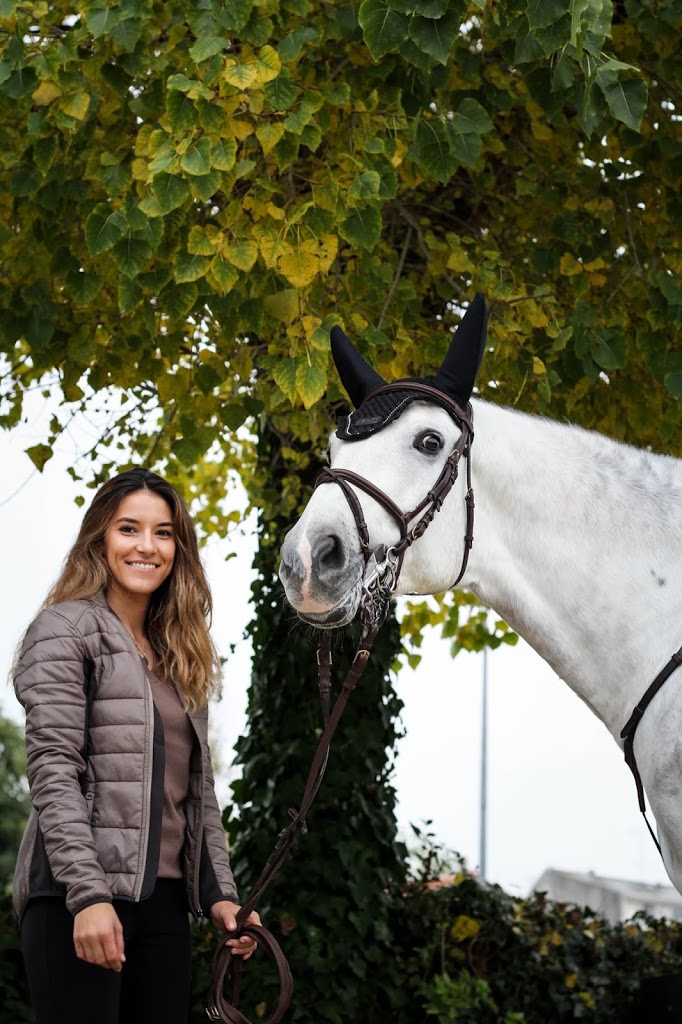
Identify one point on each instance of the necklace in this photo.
(147, 660)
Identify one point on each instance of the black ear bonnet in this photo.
(454, 380)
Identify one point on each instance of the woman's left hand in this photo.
(223, 915)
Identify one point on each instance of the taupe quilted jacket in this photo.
(95, 765)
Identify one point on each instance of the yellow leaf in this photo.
(242, 254)
(269, 135)
(570, 980)
(464, 928)
(140, 169)
(598, 280)
(574, 202)
(241, 76)
(76, 105)
(240, 129)
(538, 367)
(459, 261)
(272, 244)
(597, 264)
(269, 64)
(221, 275)
(276, 212)
(569, 265)
(299, 267)
(536, 315)
(327, 249)
(45, 93)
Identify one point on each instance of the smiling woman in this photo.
(125, 835)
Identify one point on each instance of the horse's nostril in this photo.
(328, 554)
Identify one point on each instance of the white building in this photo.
(616, 899)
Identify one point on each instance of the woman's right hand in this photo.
(98, 936)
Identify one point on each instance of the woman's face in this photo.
(139, 545)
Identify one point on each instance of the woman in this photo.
(125, 833)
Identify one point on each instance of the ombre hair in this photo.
(179, 614)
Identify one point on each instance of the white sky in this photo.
(559, 793)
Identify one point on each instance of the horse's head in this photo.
(400, 440)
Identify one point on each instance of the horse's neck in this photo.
(578, 545)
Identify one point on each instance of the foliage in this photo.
(491, 958)
(331, 905)
(14, 799)
(14, 1002)
(229, 179)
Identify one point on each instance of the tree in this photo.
(14, 799)
(195, 192)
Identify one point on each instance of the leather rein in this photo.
(382, 569)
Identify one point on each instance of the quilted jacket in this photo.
(95, 766)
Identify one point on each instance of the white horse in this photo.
(577, 545)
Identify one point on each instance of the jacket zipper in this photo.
(200, 831)
(147, 774)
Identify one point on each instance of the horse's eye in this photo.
(431, 443)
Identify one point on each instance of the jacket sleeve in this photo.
(49, 681)
(216, 881)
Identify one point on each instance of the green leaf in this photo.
(103, 228)
(383, 28)
(311, 382)
(526, 48)
(205, 185)
(467, 149)
(284, 375)
(542, 13)
(197, 160)
(205, 48)
(19, 84)
(189, 267)
(669, 287)
(181, 111)
(83, 287)
(673, 383)
(470, 117)
(242, 253)
(224, 153)
(362, 227)
(435, 37)
(129, 295)
(431, 8)
(290, 46)
(222, 275)
(39, 454)
(169, 191)
(281, 93)
(199, 243)
(432, 149)
(627, 101)
(102, 19)
(365, 186)
(283, 305)
(131, 255)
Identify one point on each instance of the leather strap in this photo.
(630, 728)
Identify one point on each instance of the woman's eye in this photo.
(431, 443)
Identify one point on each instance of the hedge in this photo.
(466, 953)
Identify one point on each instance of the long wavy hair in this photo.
(179, 614)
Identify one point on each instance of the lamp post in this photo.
(484, 772)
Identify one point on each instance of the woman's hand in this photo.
(223, 915)
(98, 936)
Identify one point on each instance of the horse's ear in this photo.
(457, 374)
(357, 376)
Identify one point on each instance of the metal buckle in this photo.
(212, 1012)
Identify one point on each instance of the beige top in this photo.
(178, 742)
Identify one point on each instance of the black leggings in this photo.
(152, 988)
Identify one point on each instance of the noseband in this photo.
(391, 561)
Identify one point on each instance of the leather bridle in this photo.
(382, 569)
(433, 501)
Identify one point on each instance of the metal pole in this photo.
(484, 771)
